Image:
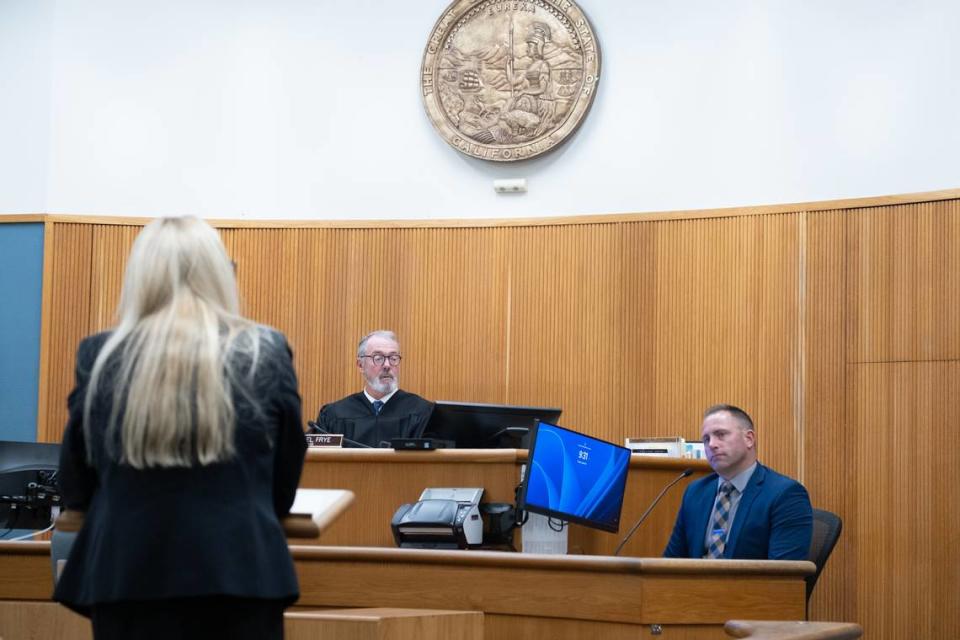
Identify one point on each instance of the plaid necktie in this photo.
(377, 406)
(718, 529)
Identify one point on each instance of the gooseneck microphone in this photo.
(316, 428)
(686, 472)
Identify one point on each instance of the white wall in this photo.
(25, 104)
(311, 109)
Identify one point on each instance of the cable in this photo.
(29, 535)
(686, 473)
(556, 524)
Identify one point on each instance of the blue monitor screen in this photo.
(575, 477)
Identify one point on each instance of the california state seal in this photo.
(506, 81)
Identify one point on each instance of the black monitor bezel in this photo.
(464, 438)
(28, 456)
(587, 522)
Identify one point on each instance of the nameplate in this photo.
(324, 439)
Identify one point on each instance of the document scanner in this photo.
(444, 518)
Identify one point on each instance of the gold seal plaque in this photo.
(508, 81)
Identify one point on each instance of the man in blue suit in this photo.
(745, 510)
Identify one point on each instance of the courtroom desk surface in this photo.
(565, 562)
(488, 456)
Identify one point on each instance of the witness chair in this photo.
(826, 532)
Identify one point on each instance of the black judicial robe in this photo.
(405, 415)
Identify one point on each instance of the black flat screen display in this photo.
(471, 425)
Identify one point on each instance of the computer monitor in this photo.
(28, 484)
(471, 425)
(575, 477)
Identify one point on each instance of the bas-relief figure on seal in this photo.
(511, 73)
(496, 96)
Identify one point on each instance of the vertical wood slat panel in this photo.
(904, 417)
(640, 327)
(902, 406)
(455, 295)
(774, 290)
(727, 327)
(70, 300)
(459, 320)
(111, 247)
(828, 470)
(565, 344)
(905, 282)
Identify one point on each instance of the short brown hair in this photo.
(739, 414)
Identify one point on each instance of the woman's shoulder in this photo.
(259, 345)
(97, 339)
(92, 344)
(272, 340)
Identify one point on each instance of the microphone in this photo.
(316, 428)
(686, 472)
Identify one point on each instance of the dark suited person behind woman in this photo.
(184, 447)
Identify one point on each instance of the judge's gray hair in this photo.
(379, 333)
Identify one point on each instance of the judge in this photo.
(382, 410)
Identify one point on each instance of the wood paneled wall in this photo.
(835, 324)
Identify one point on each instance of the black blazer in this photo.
(182, 532)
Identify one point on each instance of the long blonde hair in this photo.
(174, 346)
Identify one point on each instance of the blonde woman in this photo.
(184, 448)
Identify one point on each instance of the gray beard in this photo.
(383, 387)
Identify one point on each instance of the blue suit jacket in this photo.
(773, 521)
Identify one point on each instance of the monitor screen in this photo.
(575, 477)
(27, 485)
(471, 425)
